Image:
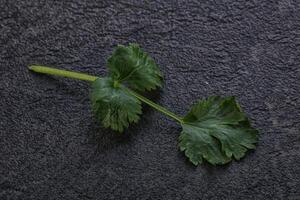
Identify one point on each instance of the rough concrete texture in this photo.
(51, 147)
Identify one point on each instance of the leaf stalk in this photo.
(60, 72)
(86, 77)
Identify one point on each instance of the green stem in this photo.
(59, 72)
(85, 77)
(154, 105)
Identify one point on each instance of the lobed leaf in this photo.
(113, 106)
(132, 65)
(216, 130)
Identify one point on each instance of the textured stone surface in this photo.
(52, 148)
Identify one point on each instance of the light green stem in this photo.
(153, 105)
(85, 77)
(64, 73)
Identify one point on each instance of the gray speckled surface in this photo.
(52, 148)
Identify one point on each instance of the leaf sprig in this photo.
(215, 130)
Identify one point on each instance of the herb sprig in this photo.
(215, 129)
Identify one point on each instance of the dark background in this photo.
(51, 147)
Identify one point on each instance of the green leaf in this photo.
(216, 130)
(135, 67)
(112, 105)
